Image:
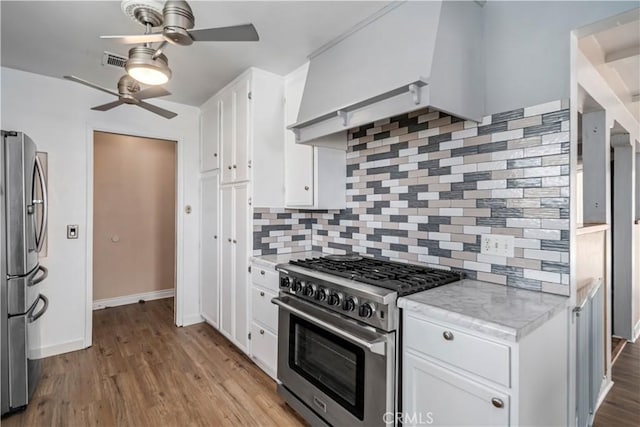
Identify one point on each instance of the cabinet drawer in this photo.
(265, 277)
(264, 311)
(478, 356)
(264, 348)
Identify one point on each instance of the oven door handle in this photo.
(377, 346)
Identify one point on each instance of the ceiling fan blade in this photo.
(237, 33)
(95, 86)
(108, 106)
(152, 92)
(137, 39)
(154, 109)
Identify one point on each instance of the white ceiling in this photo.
(615, 52)
(57, 38)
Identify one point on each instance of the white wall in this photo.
(527, 48)
(56, 114)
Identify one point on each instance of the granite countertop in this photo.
(270, 261)
(504, 312)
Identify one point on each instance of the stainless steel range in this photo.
(338, 330)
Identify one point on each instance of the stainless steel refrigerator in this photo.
(23, 199)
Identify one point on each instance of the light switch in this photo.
(497, 244)
(72, 231)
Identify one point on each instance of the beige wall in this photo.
(134, 191)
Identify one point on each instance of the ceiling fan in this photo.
(177, 21)
(129, 93)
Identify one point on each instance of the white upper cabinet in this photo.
(210, 136)
(251, 113)
(315, 177)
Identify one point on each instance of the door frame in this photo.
(179, 225)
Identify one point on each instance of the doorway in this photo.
(134, 219)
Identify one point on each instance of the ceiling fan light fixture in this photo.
(146, 69)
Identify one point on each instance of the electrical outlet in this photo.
(497, 244)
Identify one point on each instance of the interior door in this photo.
(241, 243)
(241, 163)
(209, 289)
(227, 261)
(134, 215)
(227, 132)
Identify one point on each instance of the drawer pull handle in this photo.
(262, 333)
(229, 167)
(261, 294)
(498, 403)
(448, 335)
(262, 272)
(306, 187)
(229, 240)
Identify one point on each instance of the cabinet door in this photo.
(437, 396)
(227, 261)
(227, 132)
(264, 348)
(210, 128)
(242, 114)
(298, 158)
(209, 288)
(241, 246)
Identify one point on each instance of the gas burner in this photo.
(403, 278)
(343, 258)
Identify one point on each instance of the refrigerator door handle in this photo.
(43, 202)
(33, 317)
(36, 280)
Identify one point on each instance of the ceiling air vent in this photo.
(113, 59)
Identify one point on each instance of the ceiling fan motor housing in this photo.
(127, 86)
(178, 18)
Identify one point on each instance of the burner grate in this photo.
(405, 279)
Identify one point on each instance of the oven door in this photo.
(340, 369)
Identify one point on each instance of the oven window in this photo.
(329, 362)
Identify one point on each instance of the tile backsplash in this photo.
(424, 186)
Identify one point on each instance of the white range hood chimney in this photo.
(408, 56)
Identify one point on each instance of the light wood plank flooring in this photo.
(143, 371)
(621, 407)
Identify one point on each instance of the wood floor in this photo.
(621, 407)
(143, 371)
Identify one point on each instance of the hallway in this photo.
(621, 408)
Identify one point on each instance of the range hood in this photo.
(407, 56)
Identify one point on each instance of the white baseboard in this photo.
(54, 350)
(192, 320)
(132, 299)
(636, 332)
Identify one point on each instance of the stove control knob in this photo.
(309, 290)
(296, 286)
(321, 295)
(349, 304)
(333, 299)
(285, 282)
(365, 310)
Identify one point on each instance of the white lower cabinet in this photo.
(447, 399)
(454, 376)
(264, 318)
